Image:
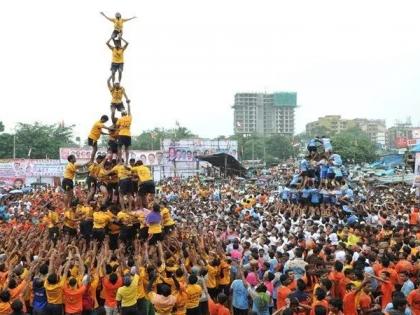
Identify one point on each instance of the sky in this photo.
(187, 59)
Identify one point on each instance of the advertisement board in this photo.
(188, 150)
(83, 155)
(416, 182)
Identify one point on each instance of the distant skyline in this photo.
(187, 59)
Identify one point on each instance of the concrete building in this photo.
(265, 114)
(399, 134)
(333, 124)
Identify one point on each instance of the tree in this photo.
(42, 140)
(354, 145)
(6, 146)
(151, 139)
(1, 126)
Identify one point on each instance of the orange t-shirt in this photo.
(336, 277)
(73, 299)
(414, 301)
(414, 218)
(282, 294)
(387, 288)
(349, 304)
(323, 303)
(217, 309)
(365, 301)
(16, 294)
(110, 291)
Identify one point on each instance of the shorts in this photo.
(92, 142)
(168, 229)
(115, 34)
(124, 141)
(67, 184)
(117, 66)
(147, 187)
(113, 241)
(311, 173)
(91, 182)
(134, 186)
(113, 146)
(53, 233)
(69, 231)
(125, 186)
(118, 106)
(311, 148)
(330, 175)
(155, 238)
(112, 186)
(98, 234)
(143, 233)
(86, 227)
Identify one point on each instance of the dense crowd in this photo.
(230, 247)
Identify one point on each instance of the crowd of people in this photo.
(306, 241)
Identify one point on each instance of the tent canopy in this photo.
(222, 160)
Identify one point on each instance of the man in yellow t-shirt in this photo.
(118, 24)
(117, 94)
(194, 292)
(68, 178)
(146, 183)
(124, 133)
(127, 295)
(95, 134)
(117, 58)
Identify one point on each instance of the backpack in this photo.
(87, 301)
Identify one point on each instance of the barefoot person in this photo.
(95, 134)
(117, 57)
(124, 133)
(68, 178)
(117, 93)
(118, 24)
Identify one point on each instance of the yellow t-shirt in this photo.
(224, 269)
(117, 94)
(124, 124)
(122, 171)
(128, 295)
(211, 276)
(193, 295)
(117, 55)
(94, 170)
(144, 174)
(100, 219)
(95, 132)
(52, 219)
(166, 217)
(141, 293)
(155, 229)
(125, 218)
(70, 171)
(118, 24)
(69, 216)
(86, 212)
(54, 291)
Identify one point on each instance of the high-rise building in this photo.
(332, 124)
(265, 114)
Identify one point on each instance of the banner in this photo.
(30, 168)
(83, 155)
(188, 150)
(416, 182)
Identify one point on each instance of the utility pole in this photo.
(14, 146)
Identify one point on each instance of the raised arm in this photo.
(109, 45)
(129, 19)
(109, 82)
(126, 97)
(108, 18)
(125, 43)
(128, 108)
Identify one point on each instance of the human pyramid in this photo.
(114, 175)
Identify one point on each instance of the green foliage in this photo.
(151, 139)
(354, 145)
(43, 140)
(1, 126)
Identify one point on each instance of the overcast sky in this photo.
(187, 59)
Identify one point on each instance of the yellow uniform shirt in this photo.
(69, 216)
(125, 218)
(52, 219)
(121, 171)
(54, 291)
(141, 293)
(211, 276)
(224, 269)
(193, 295)
(123, 125)
(100, 219)
(70, 171)
(117, 55)
(94, 170)
(95, 132)
(128, 295)
(166, 217)
(143, 172)
(117, 94)
(86, 212)
(118, 24)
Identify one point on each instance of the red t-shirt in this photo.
(110, 291)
